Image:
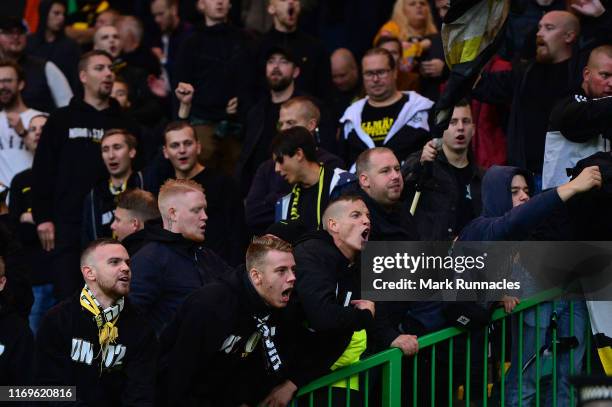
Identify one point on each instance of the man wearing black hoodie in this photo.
(238, 338)
(68, 164)
(136, 211)
(174, 264)
(328, 282)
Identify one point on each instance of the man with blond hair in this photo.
(174, 264)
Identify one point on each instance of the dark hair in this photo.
(463, 102)
(84, 60)
(288, 141)
(179, 125)
(7, 63)
(142, 203)
(129, 138)
(94, 245)
(385, 39)
(380, 51)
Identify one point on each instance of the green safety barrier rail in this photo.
(386, 366)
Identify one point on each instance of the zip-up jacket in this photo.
(99, 209)
(334, 181)
(16, 343)
(166, 270)
(68, 353)
(409, 132)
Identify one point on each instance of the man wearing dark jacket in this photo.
(381, 186)
(238, 338)
(533, 88)
(268, 186)
(68, 164)
(174, 264)
(581, 124)
(386, 117)
(328, 282)
(96, 340)
(448, 179)
(118, 150)
(281, 70)
(136, 211)
(49, 41)
(315, 78)
(16, 342)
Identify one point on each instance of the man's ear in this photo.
(332, 225)
(271, 8)
(132, 153)
(364, 181)
(136, 224)
(88, 273)
(299, 154)
(2, 282)
(255, 277)
(165, 151)
(296, 72)
(172, 213)
(311, 125)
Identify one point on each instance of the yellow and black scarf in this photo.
(106, 319)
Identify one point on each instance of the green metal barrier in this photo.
(390, 362)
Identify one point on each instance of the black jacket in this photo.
(68, 353)
(68, 161)
(216, 61)
(208, 360)
(325, 281)
(435, 214)
(268, 187)
(166, 270)
(99, 208)
(16, 343)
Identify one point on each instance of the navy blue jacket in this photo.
(499, 220)
(166, 270)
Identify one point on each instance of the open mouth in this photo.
(124, 279)
(113, 166)
(460, 138)
(365, 234)
(286, 294)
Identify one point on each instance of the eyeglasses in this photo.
(380, 74)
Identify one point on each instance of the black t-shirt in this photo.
(464, 208)
(308, 201)
(377, 121)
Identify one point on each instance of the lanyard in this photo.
(294, 214)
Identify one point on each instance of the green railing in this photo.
(389, 362)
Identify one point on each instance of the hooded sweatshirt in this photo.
(499, 220)
(68, 161)
(166, 270)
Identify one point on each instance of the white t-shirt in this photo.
(14, 157)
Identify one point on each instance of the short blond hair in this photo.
(260, 246)
(173, 188)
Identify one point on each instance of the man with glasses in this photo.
(385, 117)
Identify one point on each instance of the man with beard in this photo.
(46, 87)
(96, 340)
(238, 338)
(14, 120)
(174, 264)
(68, 164)
(118, 149)
(309, 52)
(281, 71)
(50, 42)
(581, 125)
(329, 284)
(448, 179)
(533, 88)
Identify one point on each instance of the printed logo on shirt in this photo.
(229, 343)
(83, 352)
(13, 142)
(468, 192)
(1, 349)
(81, 132)
(378, 129)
